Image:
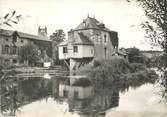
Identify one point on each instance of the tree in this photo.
(57, 37)
(135, 56)
(156, 29)
(29, 54)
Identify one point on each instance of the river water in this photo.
(39, 97)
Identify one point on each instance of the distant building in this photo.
(11, 43)
(89, 41)
(42, 31)
(151, 54)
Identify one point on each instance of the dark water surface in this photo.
(59, 97)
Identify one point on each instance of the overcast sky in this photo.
(118, 15)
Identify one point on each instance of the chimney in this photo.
(71, 36)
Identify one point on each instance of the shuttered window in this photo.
(64, 49)
(75, 49)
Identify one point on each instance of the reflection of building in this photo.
(78, 92)
(11, 43)
(79, 89)
(97, 105)
(84, 99)
(90, 40)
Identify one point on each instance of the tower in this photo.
(42, 31)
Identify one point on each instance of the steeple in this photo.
(42, 31)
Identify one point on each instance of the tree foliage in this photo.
(10, 18)
(29, 53)
(58, 36)
(135, 56)
(156, 29)
(156, 10)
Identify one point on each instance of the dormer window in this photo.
(84, 23)
(14, 39)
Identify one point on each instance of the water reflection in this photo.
(84, 99)
(17, 93)
(80, 95)
(77, 95)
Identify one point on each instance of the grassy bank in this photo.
(105, 73)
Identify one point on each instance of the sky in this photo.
(118, 15)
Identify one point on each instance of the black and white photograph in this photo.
(83, 58)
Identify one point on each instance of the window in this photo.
(105, 52)
(7, 60)
(76, 95)
(14, 50)
(64, 49)
(22, 41)
(65, 93)
(105, 40)
(6, 49)
(7, 39)
(3, 49)
(75, 49)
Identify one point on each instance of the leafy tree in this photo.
(156, 29)
(29, 54)
(57, 37)
(135, 56)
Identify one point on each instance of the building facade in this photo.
(11, 43)
(91, 40)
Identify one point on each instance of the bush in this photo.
(96, 63)
(105, 72)
(82, 82)
(134, 67)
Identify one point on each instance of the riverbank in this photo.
(104, 73)
(25, 72)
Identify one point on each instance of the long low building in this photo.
(11, 43)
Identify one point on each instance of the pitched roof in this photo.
(91, 23)
(23, 35)
(64, 43)
(82, 39)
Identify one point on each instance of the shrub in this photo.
(82, 82)
(134, 67)
(106, 71)
(96, 63)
